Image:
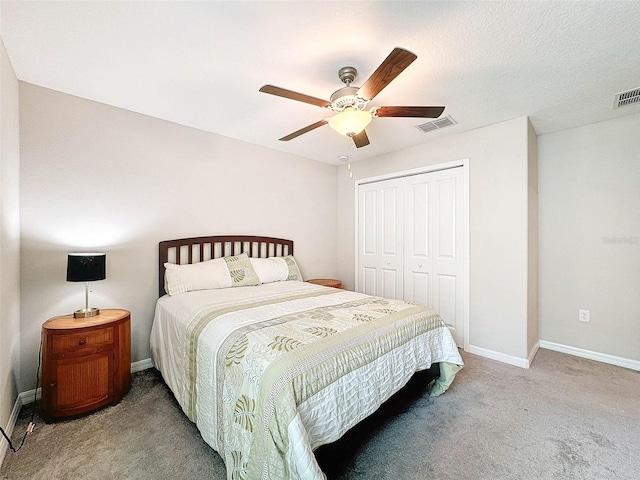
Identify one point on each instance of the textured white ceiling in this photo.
(201, 63)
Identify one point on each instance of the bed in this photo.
(270, 367)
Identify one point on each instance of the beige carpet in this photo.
(565, 418)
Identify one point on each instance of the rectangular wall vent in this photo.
(629, 97)
(436, 124)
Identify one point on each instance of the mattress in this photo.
(269, 373)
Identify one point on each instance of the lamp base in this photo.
(86, 312)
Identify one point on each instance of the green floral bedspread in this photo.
(266, 369)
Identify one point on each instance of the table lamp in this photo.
(86, 267)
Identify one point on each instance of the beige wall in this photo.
(9, 241)
(590, 236)
(498, 176)
(95, 177)
(98, 177)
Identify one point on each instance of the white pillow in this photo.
(197, 276)
(273, 269)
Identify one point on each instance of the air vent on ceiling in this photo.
(629, 97)
(436, 124)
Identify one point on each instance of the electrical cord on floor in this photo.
(31, 425)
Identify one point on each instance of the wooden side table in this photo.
(327, 282)
(86, 363)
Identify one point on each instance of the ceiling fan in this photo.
(350, 103)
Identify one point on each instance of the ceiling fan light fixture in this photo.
(350, 122)
(349, 104)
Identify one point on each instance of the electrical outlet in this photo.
(584, 316)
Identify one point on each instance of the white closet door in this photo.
(418, 262)
(411, 238)
(434, 245)
(380, 239)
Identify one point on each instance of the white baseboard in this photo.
(13, 418)
(27, 397)
(502, 357)
(142, 365)
(599, 357)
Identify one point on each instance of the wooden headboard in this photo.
(198, 249)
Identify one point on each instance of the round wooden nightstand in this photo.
(327, 282)
(86, 363)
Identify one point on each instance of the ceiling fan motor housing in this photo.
(347, 97)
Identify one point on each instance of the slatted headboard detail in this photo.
(198, 249)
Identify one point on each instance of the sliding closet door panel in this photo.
(418, 240)
(368, 250)
(434, 239)
(448, 260)
(380, 256)
(391, 239)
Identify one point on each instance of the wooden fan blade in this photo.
(424, 112)
(303, 130)
(361, 139)
(300, 97)
(390, 68)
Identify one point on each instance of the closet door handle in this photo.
(419, 265)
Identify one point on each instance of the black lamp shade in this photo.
(86, 267)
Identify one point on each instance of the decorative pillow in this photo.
(241, 271)
(274, 269)
(196, 276)
(294, 271)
